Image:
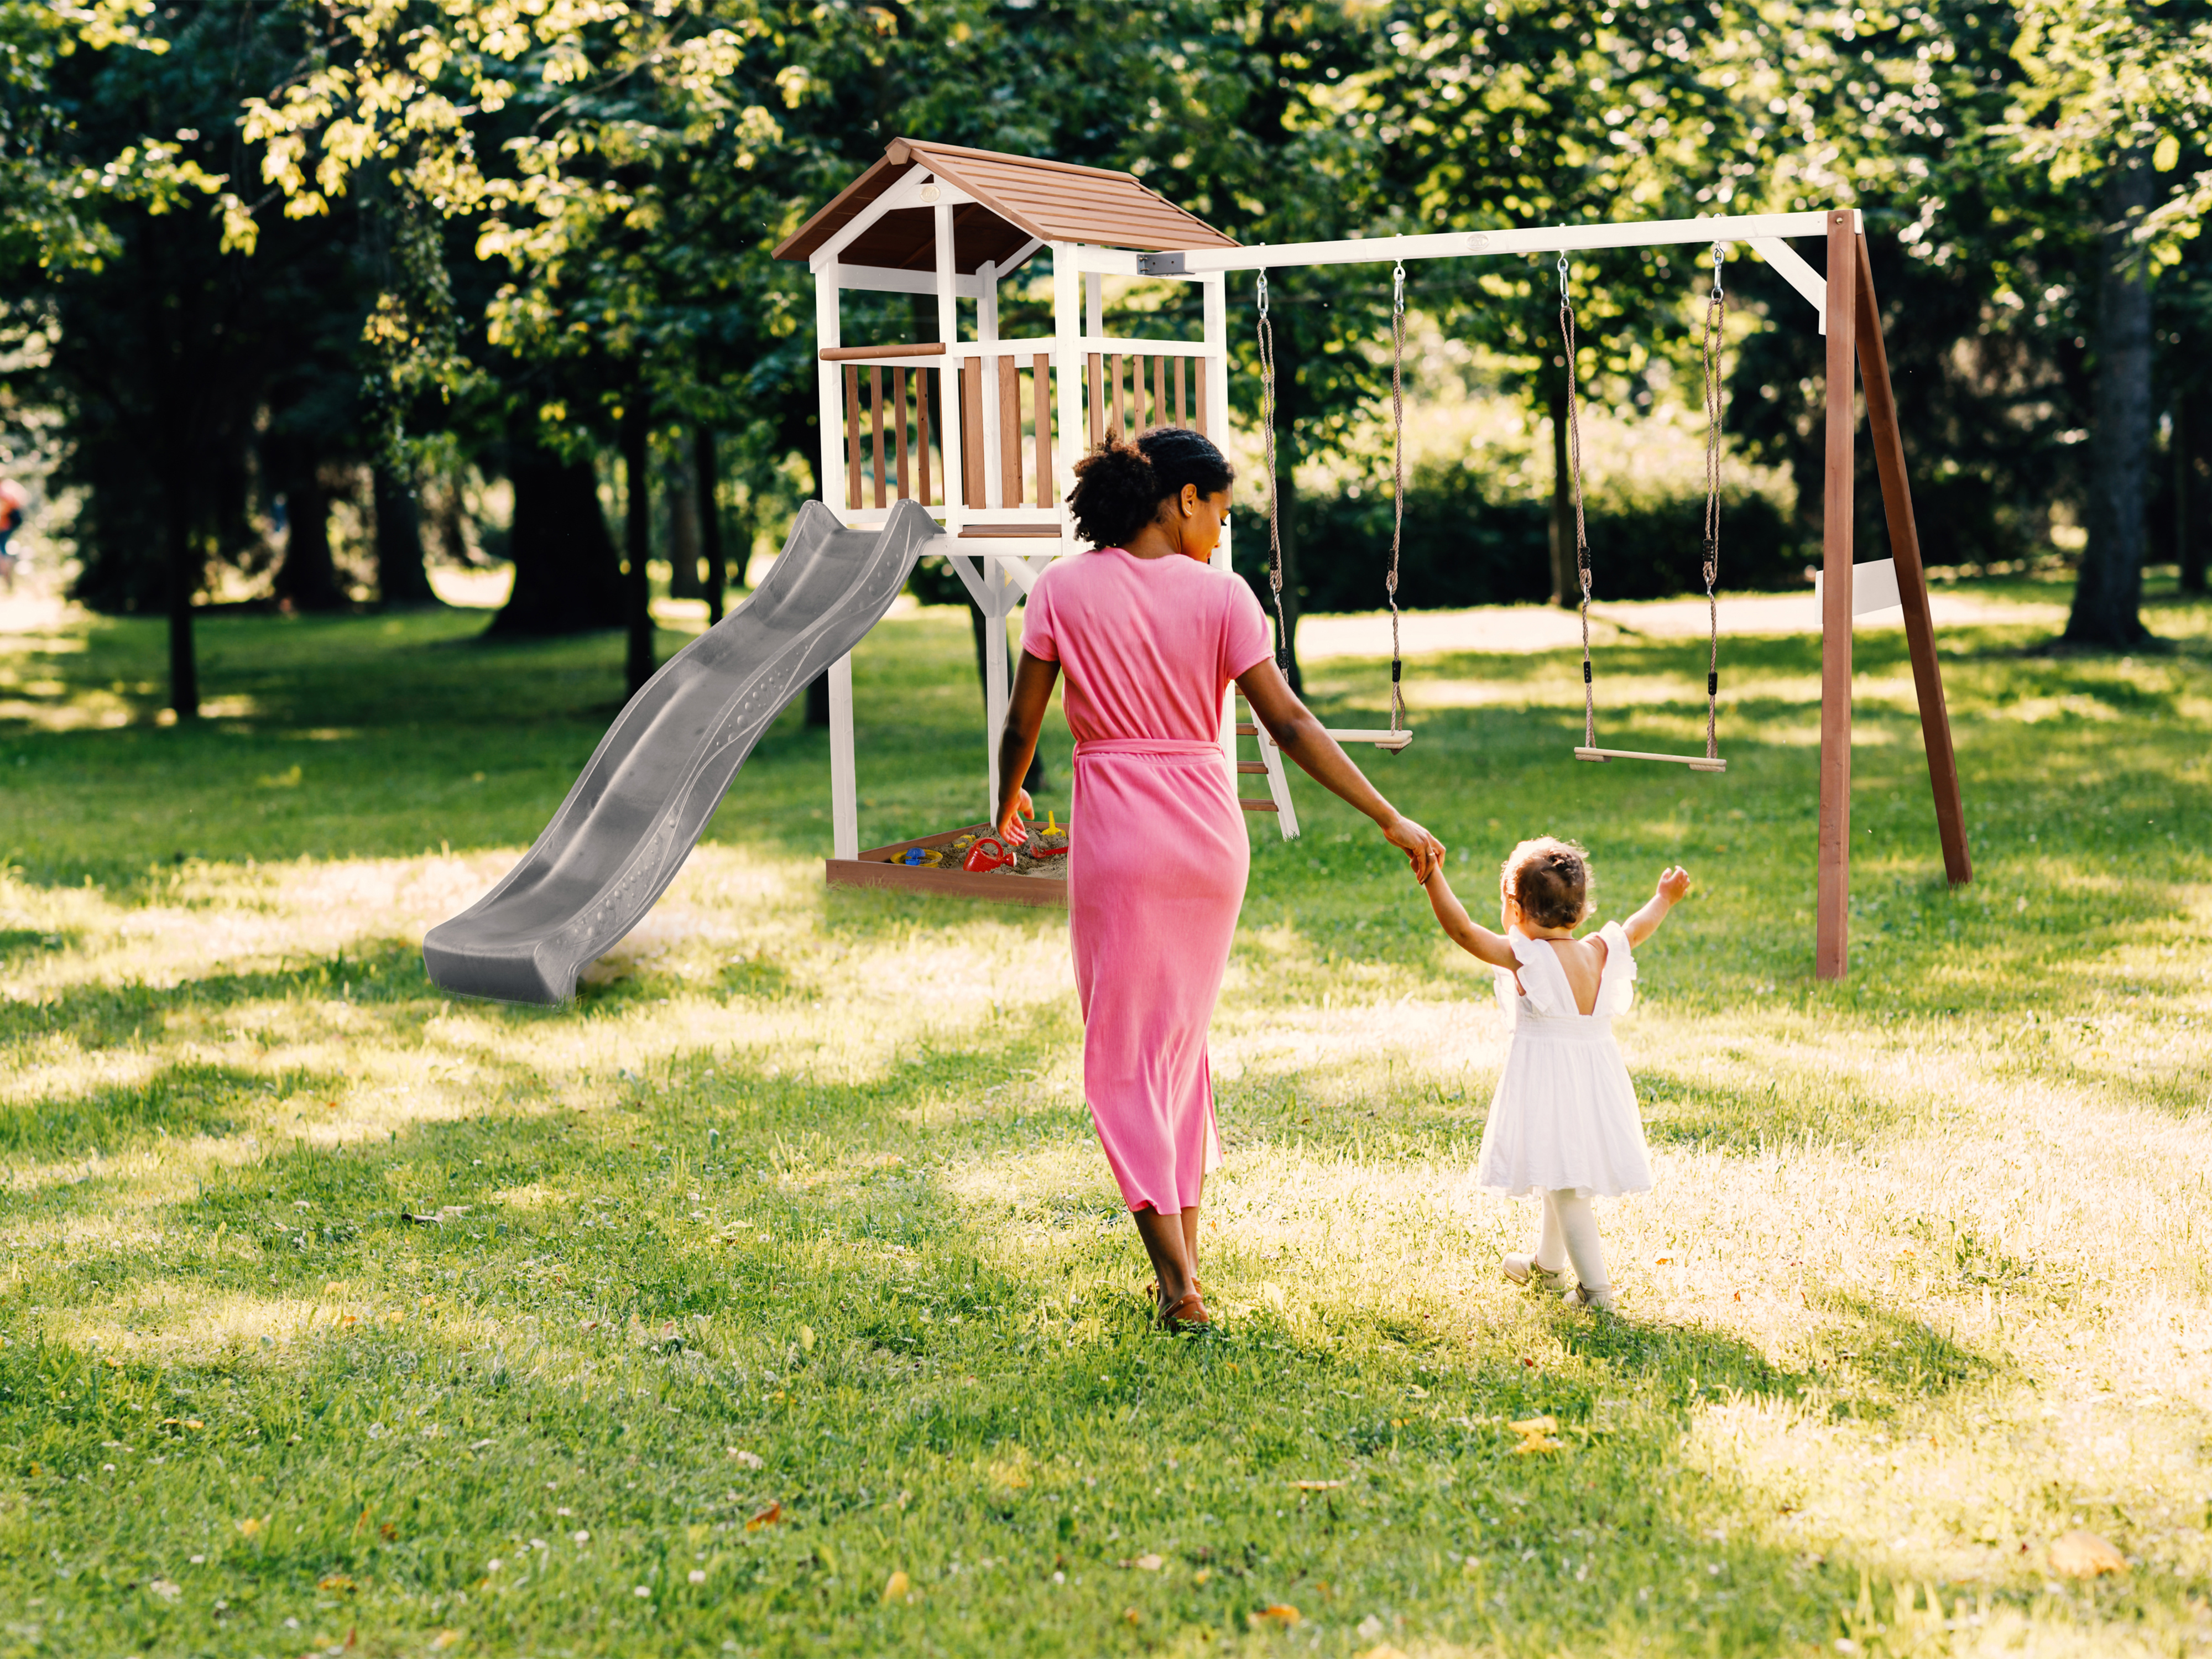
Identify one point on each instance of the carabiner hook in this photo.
(1398, 289)
(1720, 259)
(1263, 293)
(1563, 271)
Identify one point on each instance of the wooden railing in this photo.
(889, 396)
(1108, 377)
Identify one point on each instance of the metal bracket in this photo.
(1170, 264)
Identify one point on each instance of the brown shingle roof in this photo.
(1017, 197)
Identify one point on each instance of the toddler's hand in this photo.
(1673, 883)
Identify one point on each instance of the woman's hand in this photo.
(1422, 850)
(1009, 825)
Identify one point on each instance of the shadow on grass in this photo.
(1701, 1116)
(191, 1098)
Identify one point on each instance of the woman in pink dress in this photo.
(1150, 636)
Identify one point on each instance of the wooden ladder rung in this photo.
(1251, 805)
(1246, 729)
(1252, 765)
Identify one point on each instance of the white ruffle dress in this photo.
(1565, 1113)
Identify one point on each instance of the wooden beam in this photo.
(1888, 442)
(852, 436)
(1041, 395)
(870, 353)
(921, 431)
(1008, 373)
(971, 432)
(876, 426)
(898, 417)
(1832, 905)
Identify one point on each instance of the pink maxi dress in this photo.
(1157, 858)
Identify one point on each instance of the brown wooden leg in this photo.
(1911, 579)
(1833, 911)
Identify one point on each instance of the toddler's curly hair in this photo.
(1551, 880)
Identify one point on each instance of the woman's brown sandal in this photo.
(1189, 1314)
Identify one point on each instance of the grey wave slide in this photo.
(657, 776)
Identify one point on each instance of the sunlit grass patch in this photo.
(783, 1267)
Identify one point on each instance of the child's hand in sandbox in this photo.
(1010, 827)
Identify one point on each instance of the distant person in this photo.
(14, 502)
(1150, 636)
(1564, 1125)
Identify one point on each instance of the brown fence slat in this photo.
(1120, 421)
(1009, 371)
(852, 436)
(1198, 390)
(921, 427)
(876, 426)
(1159, 391)
(898, 420)
(971, 431)
(1180, 419)
(1040, 397)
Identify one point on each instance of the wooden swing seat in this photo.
(1393, 741)
(1695, 762)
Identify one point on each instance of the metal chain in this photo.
(1397, 482)
(1716, 318)
(1274, 520)
(1574, 475)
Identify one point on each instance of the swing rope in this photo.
(1716, 318)
(1575, 476)
(1274, 519)
(1397, 484)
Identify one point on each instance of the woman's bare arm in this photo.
(1034, 678)
(1470, 935)
(1298, 734)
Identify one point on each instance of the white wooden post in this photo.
(948, 378)
(1002, 592)
(844, 790)
(1068, 365)
(827, 335)
(987, 335)
(1094, 304)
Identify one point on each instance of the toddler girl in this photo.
(1564, 1123)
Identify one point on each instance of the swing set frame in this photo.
(1843, 298)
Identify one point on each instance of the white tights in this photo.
(1570, 1234)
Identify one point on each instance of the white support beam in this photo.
(844, 785)
(948, 383)
(986, 338)
(917, 189)
(880, 279)
(1459, 244)
(830, 394)
(1094, 302)
(1067, 364)
(1790, 266)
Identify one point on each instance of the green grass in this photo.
(680, 1320)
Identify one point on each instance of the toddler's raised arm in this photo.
(1673, 883)
(1470, 935)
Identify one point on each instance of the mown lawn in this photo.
(776, 1299)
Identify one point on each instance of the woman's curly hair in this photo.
(1550, 879)
(1119, 486)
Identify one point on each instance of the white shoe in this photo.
(1523, 1268)
(1582, 1296)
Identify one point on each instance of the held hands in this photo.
(1423, 851)
(1673, 883)
(1010, 825)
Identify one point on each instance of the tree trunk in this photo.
(637, 504)
(2192, 439)
(401, 578)
(683, 496)
(184, 572)
(307, 579)
(567, 579)
(1566, 578)
(1286, 502)
(2108, 593)
(706, 474)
